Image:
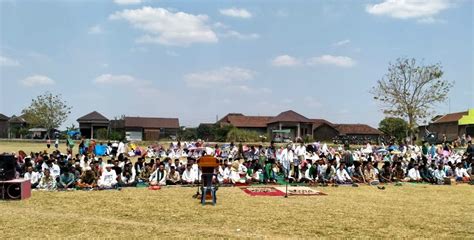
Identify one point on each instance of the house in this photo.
(353, 133)
(90, 123)
(38, 133)
(324, 131)
(252, 123)
(17, 127)
(149, 128)
(297, 124)
(466, 123)
(3, 126)
(290, 125)
(451, 125)
(357, 133)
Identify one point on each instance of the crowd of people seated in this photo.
(313, 164)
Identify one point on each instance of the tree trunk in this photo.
(410, 128)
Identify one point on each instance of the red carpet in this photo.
(263, 191)
(301, 191)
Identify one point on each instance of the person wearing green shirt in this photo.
(66, 179)
(424, 149)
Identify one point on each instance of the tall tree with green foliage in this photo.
(48, 111)
(394, 127)
(410, 90)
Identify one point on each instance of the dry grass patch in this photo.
(404, 212)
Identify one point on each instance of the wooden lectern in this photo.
(208, 188)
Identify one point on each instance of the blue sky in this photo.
(200, 59)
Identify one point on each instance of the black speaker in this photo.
(16, 189)
(7, 167)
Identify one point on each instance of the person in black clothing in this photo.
(470, 150)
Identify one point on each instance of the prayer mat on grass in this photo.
(240, 184)
(301, 191)
(263, 191)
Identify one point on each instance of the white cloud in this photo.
(115, 79)
(285, 61)
(37, 80)
(429, 20)
(241, 36)
(236, 12)
(406, 9)
(97, 29)
(8, 62)
(127, 2)
(340, 61)
(220, 25)
(168, 28)
(221, 76)
(128, 83)
(342, 43)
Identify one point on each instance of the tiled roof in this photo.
(248, 121)
(450, 117)
(93, 117)
(151, 122)
(347, 129)
(319, 122)
(289, 116)
(4, 117)
(15, 119)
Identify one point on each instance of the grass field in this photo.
(404, 212)
(9, 147)
(409, 211)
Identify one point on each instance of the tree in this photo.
(394, 127)
(187, 134)
(205, 131)
(48, 111)
(410, 90)
(239, 135)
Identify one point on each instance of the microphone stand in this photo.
(287, 181)
(198, 185)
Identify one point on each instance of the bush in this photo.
(238, 135)
(188, 134)
(101, 134)
(116, 135)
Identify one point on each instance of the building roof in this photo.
(150, 122)
(3, 117)
(37, 130)
(289, 116)
(450, 117)
(15, 119)
(318, 122)
(349, 129)
(93, 117)
(239, 120)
